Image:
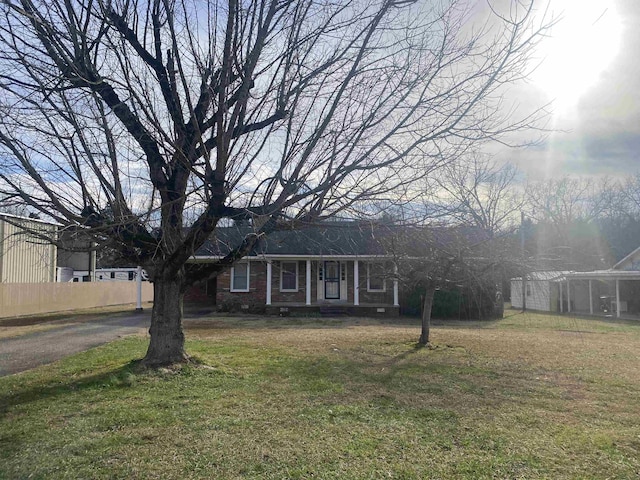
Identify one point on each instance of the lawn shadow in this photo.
(253, 322)
(120, 377)
(531, 315)
(224, 321)
(433, 377)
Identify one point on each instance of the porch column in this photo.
(356, 283)
(561, 302)
(308, 290)
(617, 298)
(268, 283)
(590, 298)
(396, 303)
(568, 297)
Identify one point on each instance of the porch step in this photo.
(333, 310)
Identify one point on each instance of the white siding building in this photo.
(542, 291)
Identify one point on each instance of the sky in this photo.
(589, 67)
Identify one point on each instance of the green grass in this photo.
(530, 396)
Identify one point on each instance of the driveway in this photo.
(22, 353)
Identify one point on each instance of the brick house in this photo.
(337, 267)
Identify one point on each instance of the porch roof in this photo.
(563, 276)
(603, 275)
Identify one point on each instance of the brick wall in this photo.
(196, 293)
(257, 294)
(385, 297)
(203, 291)
(293, 297)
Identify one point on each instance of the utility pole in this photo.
(524, 264)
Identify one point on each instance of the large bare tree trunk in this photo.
(427, 303)
(166, 346)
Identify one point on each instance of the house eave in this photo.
(17, 218)
(629, 256)
(286, 256)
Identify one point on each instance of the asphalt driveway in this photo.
(22, 353)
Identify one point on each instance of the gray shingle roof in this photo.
(341, 238)
(357, 238)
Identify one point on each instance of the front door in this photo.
(332, 280)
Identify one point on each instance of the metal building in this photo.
(25, 258)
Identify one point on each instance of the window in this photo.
(240, 277)
(288, 276)
(528, 290)
(375, 277)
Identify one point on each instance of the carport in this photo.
(601, 292)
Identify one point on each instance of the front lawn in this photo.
(530, 396)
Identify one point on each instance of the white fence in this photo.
(17, 299)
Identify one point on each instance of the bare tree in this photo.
(146, 123)
(478, 192)
(445, 257)
(627, 195)
(566, 199)
(477, 204)
(620, 223)
(567, 215)
(13, 208)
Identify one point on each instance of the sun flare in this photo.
(581, 46)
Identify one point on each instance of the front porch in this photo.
(313, 285)
(331, 283)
